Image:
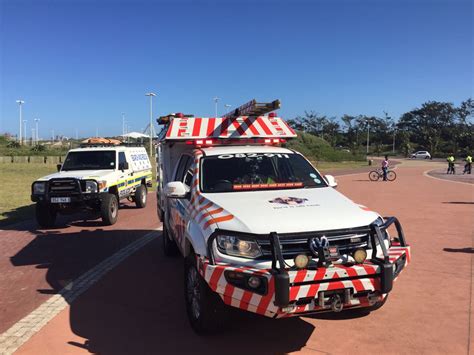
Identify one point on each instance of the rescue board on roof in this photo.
(247, 121)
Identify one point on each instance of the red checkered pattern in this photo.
(335, 276)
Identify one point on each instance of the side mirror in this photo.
(331, 180)
(123, 166)
(59, 166)
(175, 189)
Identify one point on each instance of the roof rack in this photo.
(254, 108)
(105, 142)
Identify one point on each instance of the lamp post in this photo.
(368, 135)
(151, 95)
(20, 103)
(216, 100)
(123, 124)
(36, 131)
(24, 132)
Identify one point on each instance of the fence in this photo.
(31, 159)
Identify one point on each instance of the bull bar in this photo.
(280, 273)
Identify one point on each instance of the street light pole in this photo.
(151, 95)
(24, 132)
(123, 124)
(368, 136)
(36, 131)
(20, 103)
(216, 99)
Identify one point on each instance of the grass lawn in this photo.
(15, 189)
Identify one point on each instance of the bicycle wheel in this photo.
(391, 175)
(374, 175)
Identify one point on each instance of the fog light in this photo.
(254, 282)
(301, 261)
(360, 255)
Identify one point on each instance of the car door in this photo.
(125, 175)
(179, 208)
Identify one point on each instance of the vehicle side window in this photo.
(122, 159)
(183, 162)
(188, 176)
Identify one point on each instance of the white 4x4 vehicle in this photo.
(95, 177)
(422, 154)
(259, 227)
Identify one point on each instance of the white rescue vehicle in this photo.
(94, 177)
(260, 228)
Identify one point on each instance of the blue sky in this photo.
(79, 64)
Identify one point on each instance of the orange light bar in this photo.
(240, 141)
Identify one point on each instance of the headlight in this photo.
(38, 188)
(379, 221)
(235, 246)
(91, 187)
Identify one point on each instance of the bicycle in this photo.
(375, 175)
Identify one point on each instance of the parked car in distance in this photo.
(422, 154)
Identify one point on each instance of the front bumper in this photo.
(292, 292)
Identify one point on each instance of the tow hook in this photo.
(373, 298)
(336, 303)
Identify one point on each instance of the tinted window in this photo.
(240, 172)
(183, 162)
(122, 158)
(90, 160)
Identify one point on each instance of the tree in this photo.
(428, 122)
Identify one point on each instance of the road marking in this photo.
(426, 173)
(24, 329)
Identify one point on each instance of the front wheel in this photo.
(109, 209)
(141, 196)
(206, 311)
(391, 175)
(374, 175)
(45, 215)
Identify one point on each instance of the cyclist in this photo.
(450, 160)
(468, 166)
(385, 168)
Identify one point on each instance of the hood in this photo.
(79, 174)
(290, 211)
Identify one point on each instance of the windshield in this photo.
(258, 171)
(90, 160)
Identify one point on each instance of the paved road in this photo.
(138, 307)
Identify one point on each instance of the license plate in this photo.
(60, 199)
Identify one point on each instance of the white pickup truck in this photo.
(94, 177)
(260, 229)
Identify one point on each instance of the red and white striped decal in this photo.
(218, 127)
(204, 212)
(322, 279)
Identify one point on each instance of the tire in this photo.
(141, 196)
(427, 158)
(109, 207)
(45, 215)
(391, 175)
(169, 246)
(206, 311)
(374, 175)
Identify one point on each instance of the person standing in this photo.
(385, 168)
(468, 166)
(450, 160)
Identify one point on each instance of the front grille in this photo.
(64, 186)
(295, 244)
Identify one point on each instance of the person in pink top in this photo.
(385, 168)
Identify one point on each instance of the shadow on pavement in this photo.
(138, 307)
(460, 250)
(460, 203)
